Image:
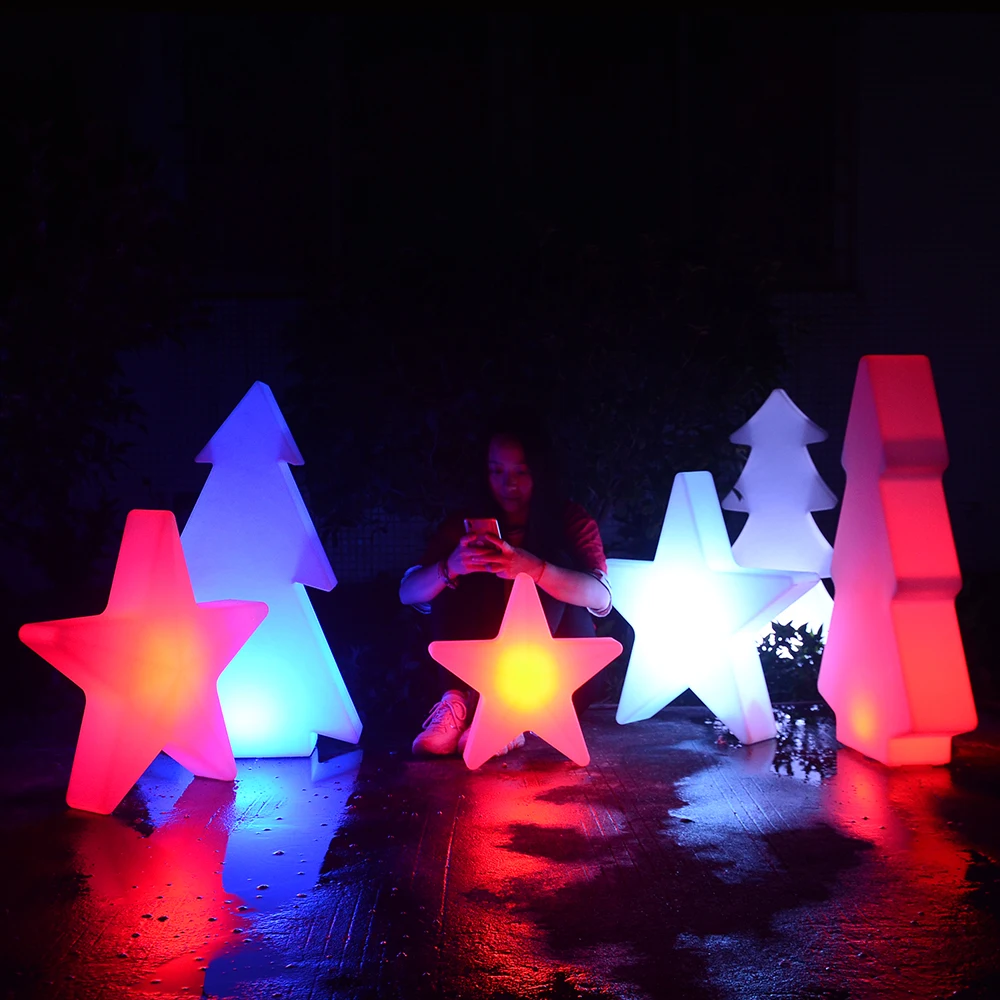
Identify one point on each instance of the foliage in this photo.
(642, 357)
(90, 264)
(791, 657)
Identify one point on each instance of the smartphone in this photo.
(482, 526)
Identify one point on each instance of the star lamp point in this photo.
(525, 679)
(695, 613)
(149, 665)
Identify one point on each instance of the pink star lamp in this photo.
(525, 679)
(149, 665)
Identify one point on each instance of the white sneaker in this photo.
(515, 743)
(443, 727)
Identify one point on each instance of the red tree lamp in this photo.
(894, 669)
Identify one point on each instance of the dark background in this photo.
(640, 225)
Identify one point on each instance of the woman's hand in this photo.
(506, 560)
(470, 556)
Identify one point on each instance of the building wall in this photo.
(928, 264)
(187, 388)
(922, 175)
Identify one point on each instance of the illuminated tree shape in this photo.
(251, 537)
(778, 488)
(149, 665)
(525, 678)
(695, 613)
(893, 668)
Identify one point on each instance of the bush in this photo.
(791, 656)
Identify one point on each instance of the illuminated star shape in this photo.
(695, 613)
(149, 666)
(525, 678)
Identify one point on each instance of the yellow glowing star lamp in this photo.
(893, 669)
(149, 665)
(525, 678)
(696, 614)
(778, 488)
(251, 537)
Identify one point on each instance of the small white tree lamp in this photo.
(778, 488)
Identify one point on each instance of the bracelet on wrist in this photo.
(541, 572)
(449, 581)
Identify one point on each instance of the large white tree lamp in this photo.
(250, 537)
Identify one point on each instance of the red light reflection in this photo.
(897, 810)
(514, 829)
(158, 900)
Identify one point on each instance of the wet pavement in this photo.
(678, 864)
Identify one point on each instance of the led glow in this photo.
(149, 665)
(778, 488)
(893, 669)
(695, 613)
(251, 537)
(525, 678)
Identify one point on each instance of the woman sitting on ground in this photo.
(465, 578)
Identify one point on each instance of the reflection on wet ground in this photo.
(678, 864)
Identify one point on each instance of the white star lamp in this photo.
(250, 533)
(695, 613)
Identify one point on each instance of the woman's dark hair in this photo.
(548, 494)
